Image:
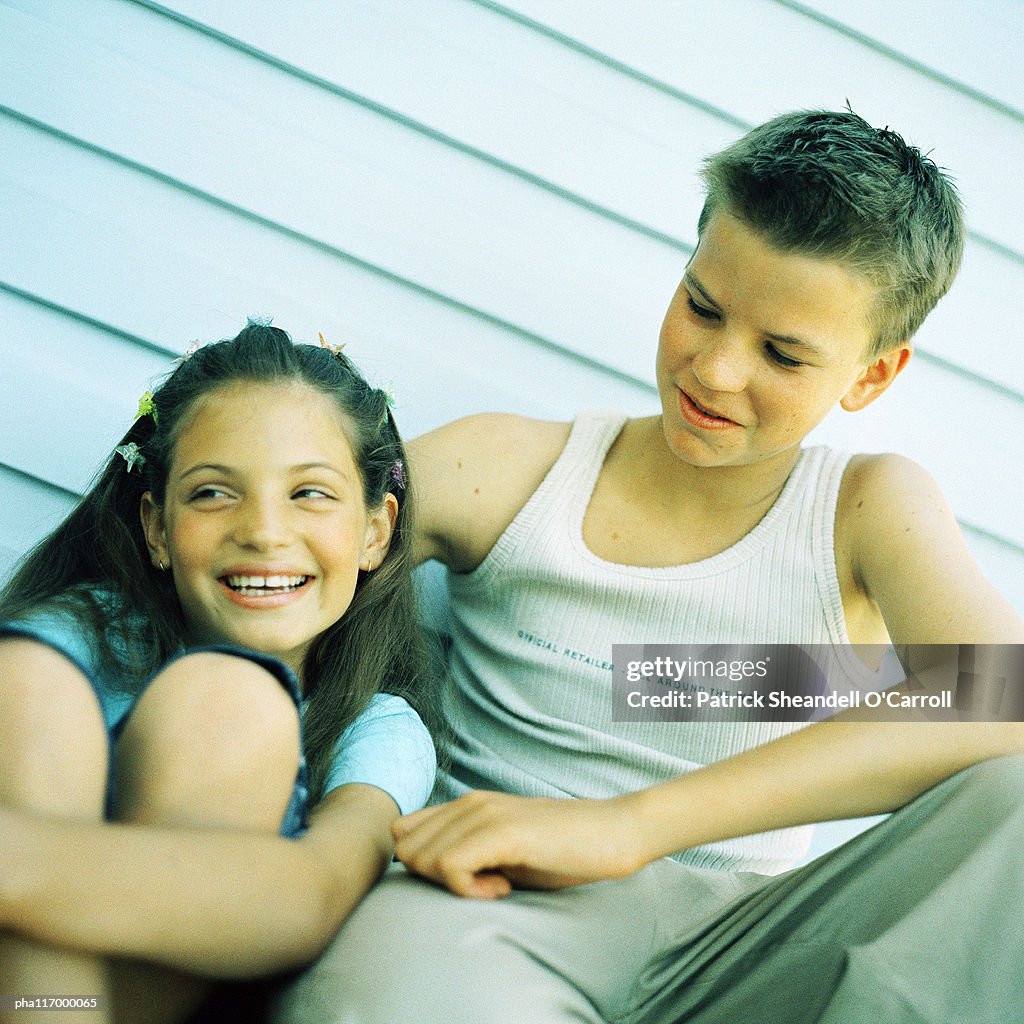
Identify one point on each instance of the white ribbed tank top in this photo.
(533, 627)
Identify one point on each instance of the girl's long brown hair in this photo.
(96, 563)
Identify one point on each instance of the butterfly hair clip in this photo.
(324, 343)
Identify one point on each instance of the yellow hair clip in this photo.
(147, 407)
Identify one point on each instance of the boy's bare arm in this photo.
(471, 477)
(484, 843)
(911, 560)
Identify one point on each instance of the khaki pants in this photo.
(920, 919)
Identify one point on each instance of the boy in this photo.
(823, 244)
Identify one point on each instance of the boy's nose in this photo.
(722, 366)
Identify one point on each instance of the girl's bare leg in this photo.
(212, 743)
(53, 762)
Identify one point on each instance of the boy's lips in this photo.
(701, 415)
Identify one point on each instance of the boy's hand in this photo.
(484, 844)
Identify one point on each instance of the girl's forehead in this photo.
(260, 416)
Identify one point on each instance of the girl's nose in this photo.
(261, 525)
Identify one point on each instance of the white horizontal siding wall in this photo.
(490, 203)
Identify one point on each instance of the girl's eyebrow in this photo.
(213, 467)
(304, 467)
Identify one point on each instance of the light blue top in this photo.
(388, 746)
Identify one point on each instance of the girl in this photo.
(243, 556)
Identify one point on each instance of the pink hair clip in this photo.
(193, 347)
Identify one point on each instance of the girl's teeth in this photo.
(264, 583)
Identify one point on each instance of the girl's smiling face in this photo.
(758, 345)
(264, 525)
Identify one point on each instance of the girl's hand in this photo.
(484, 844)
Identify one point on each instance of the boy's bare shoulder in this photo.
(888, 501)
(898, 539)
(883, 477)
(472, 476)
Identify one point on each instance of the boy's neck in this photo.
(720, 489)
(649, 508)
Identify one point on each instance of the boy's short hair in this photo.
(828, 184)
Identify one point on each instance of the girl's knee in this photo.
(204, 698)
(54, 748)
(215, 738)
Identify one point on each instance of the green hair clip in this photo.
(147, 407)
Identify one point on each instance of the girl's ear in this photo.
(152, 518)
(380, 524)
(876, 377)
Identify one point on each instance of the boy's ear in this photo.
(152, 518)
(876, 377)
(380, 524)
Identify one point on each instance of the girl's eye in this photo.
(780, 357)
(310, 492)
(702, 311)
(208, 494)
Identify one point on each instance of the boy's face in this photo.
(758, 345)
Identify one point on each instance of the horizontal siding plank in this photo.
(68, 394)
(29, 509)
(392, 198)
(977, 43)
(552, 112)
(205, 269)
(756, 58)
(408, 245)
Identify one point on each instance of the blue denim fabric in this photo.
(61, 633)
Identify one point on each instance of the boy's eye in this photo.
(702, 311)
(780, 357)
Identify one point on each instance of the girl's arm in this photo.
(219, 904)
